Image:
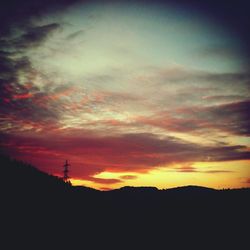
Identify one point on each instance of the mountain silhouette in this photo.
(41, 208)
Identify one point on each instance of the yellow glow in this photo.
(168, 177)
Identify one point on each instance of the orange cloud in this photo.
(23, 96)
(136, 153)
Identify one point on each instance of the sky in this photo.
(131, 93)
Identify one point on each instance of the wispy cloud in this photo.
(188, 168)
(128, 177)
(75, 34)
(231, 118)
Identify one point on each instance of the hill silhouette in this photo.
(37, 207)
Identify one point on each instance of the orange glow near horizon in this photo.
(170, 177)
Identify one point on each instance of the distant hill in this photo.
(40, 206)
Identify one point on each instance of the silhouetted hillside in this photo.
(20, 174)
(43, 208)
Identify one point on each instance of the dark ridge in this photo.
(137, 189)
(39, 207)
(192, 188)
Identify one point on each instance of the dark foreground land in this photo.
(39, 211)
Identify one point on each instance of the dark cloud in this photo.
(75, 34)
(20, 100)
(218, 51)
(218, 171)
(127, 153)
(18, 32)
(24, 105)
(15, 14)
(232, 117)
(178, 74)
(34, 36)
(13, 61)
(242, 77)
(9, 68)
(191, 169)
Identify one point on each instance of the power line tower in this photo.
(66, 171)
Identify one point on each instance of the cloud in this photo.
(223, 99)
(75, 34)
(217, 171)
(188, 168)
(180, 74)
(178, 86)
(19, 32)
(26, 93)
(23, 108)
(18, 15)
(126, 153)
(103, 181)
(247, 181)
(231, 117)
(35, 36)
(10, 68)
(218, 51)
(128, 177)
(19, 95)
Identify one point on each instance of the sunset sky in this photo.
(132, 93)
